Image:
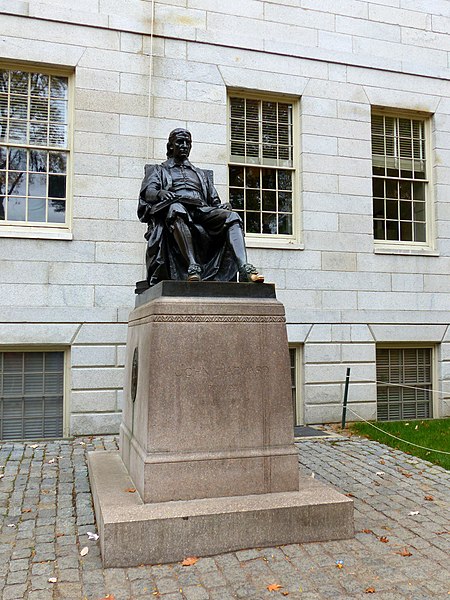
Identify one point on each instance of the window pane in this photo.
(16, 208)
(36, 209)
(33, 112)
(400, 143)
(56, 211)
(261, 134)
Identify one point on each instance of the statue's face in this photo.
(182, 146)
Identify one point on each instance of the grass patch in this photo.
(433, 433)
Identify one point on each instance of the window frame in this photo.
(434, 350)
(264, 240)
(299, 408)
(67, 381)
(400, 246)
(39, 230)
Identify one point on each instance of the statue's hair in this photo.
(172, 136)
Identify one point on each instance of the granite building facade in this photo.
(327, 125)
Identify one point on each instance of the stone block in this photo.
(297, 332)
(230, 426)
(339, 261)
(71, 295)
(97, 378)
(408, 333)
(93, 401)
(114, 296)
(251, 79)
(107, 333)
(37, 333)
(95, 423)
(317, 394)
(95, 79)
(322, 353)
(170, 531)
(355, 352)
(87, 356)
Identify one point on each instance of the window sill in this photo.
(281, 244)
(35, 233)
(406, 251)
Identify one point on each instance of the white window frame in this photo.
(67, 384)
(299, 416)
(37, 230)
(435, 405)
(260, 240)
(412, 247)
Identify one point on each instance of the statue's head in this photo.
(179, 137)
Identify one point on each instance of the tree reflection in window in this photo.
(33, 147)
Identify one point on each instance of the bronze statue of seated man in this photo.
(191, 235)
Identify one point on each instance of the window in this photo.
(34, 148)
(404, 383)
(261, 169)
(399, 165)
(294, 357)
(31, 394)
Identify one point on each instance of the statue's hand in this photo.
(166, 195)
(226, 206)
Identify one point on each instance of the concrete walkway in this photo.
(46, 510)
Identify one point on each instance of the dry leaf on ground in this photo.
(274, 587)
(382, 462)
(404, 552)
(26, 510)
(367, 531)
(189, 561)
(131, 490)
(384, 539)
(429, 498)
(52, 580)
(370, 590)
(350, 495)
(84, 551)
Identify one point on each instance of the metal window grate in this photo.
(31, 395)
(399, 178)
(408, 367)
(33, 148)
(261, 169)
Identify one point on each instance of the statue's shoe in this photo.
(194, 272)
(249, 274)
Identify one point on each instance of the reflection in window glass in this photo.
(261, 169)
(399, 160)
(33, 144)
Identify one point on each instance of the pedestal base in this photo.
(134, 533)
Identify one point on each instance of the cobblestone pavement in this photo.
(46, 509)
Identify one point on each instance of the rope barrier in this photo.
(395, 437)
(433, 391)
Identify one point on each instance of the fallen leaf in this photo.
(382, 462)
(413, 513)
(131, 490)
(367, 531)
(92, 536)
(404, 552)
(52, 580)
(109, 597)
(406, 474)
(51, 461)
(380, 473)
(274, 587)
(82, 443)
(285, 593)
(442, 532)
(84, 551)
(190, 560)
(416, 427)
(350, 495)
(26, 510)
(429, 498)
(370, 590)
(384, 539)
(339, 564)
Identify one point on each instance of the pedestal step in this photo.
(134, 533)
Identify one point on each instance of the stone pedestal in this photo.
(207, 432)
